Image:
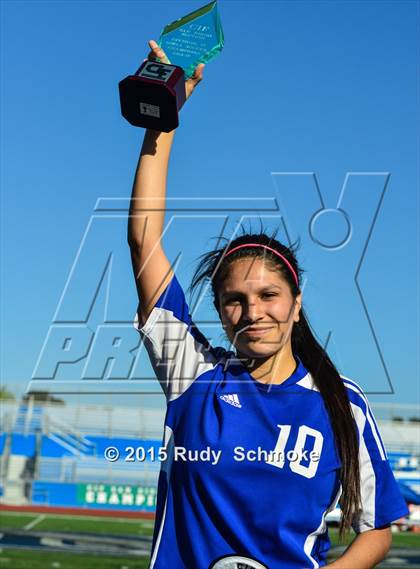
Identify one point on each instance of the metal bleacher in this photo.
(50, 444)
(65, 444)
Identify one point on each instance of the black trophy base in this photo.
(153, 96)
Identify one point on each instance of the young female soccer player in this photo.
(262, 441)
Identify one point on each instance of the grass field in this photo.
(17, 559)
(79, 524)
(33, 560)
(407, 539)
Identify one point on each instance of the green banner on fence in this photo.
(117, 495)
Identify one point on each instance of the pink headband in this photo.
(282, 257)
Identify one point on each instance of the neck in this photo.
(273, 369)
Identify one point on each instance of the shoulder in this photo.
(360, 406)
(355, 393)
(365, 420)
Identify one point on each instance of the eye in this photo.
(269, 294)
(232, 301)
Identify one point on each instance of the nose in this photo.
(252, 311)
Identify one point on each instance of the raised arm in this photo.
(151, 267)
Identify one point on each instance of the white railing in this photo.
(147, 423)
(98, 470)
(83, 420)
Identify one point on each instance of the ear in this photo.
(297, 308)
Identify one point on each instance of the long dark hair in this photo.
(214, 266)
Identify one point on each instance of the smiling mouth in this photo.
(257, 331)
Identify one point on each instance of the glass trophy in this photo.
(153, 96)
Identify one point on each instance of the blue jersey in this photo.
(252, 469)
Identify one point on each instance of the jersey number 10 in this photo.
(296, 456)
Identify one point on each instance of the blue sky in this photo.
(304, 93)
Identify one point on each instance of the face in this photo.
(257, 308)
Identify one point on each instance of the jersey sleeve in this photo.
(178, 352)
(381, 500)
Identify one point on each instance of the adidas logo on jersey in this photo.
(232, 399)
